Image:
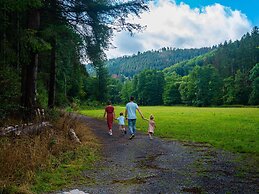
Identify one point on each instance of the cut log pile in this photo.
(27, 128)
(39, 125)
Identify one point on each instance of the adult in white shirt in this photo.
(130, 115)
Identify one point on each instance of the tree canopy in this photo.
(43, 44)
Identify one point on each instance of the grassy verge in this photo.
(68, 173)
(48, 161)
(234, 129)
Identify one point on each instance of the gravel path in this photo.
(142, 165)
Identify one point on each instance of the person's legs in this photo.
(130, 126)
(150, 135)
(134, 126)
(109, 123)
(124, 129)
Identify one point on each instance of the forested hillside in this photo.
(227, 75)
(228, 58)
(165, 57)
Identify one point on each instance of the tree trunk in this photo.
(18, 40)
(4, 36)
(52, 77)
(30, 70)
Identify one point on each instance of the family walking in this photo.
(130, 115)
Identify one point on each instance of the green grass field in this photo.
(234, 129)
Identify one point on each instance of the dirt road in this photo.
(142, 165)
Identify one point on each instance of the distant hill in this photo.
(228, 58)
(185, 67)
(165, 57)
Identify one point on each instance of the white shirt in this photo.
(121, 120)
(131, 109)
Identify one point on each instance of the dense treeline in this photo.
(227, 75)
(42, 44)
(231, 68)
(158, 59)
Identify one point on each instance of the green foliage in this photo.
(254, 72)
(220, 76)
(233, 61)
(52, 114)
(202, 87)
(114, 91)
(148, 87)
(33, 42)
(76, 38)
(171, 93)
(126, 91)
(254, 77)
(90, 88)
(242, 89)
(30, 29)
(229, 95)
(207, 86)
(102, 79)
(187, 90)
(254, 97)
(71, 74)
(184, 68)
(9, 91)
(42, 94)
(12, 5)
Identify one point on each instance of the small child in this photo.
(121, 119)
(151, 126)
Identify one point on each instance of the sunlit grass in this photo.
(234, 129)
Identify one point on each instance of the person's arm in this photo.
(104, 113)
(140, 113)
(114, 115)
(126, 114)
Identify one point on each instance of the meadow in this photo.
(233, 129)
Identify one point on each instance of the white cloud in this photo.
(179, 26)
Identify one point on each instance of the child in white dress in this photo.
(121, 119)
(151, 126)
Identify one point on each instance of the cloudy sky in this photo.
(188, 24)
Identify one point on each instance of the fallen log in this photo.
(27, 129)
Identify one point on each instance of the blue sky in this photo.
(248, 7)
(188, 24)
